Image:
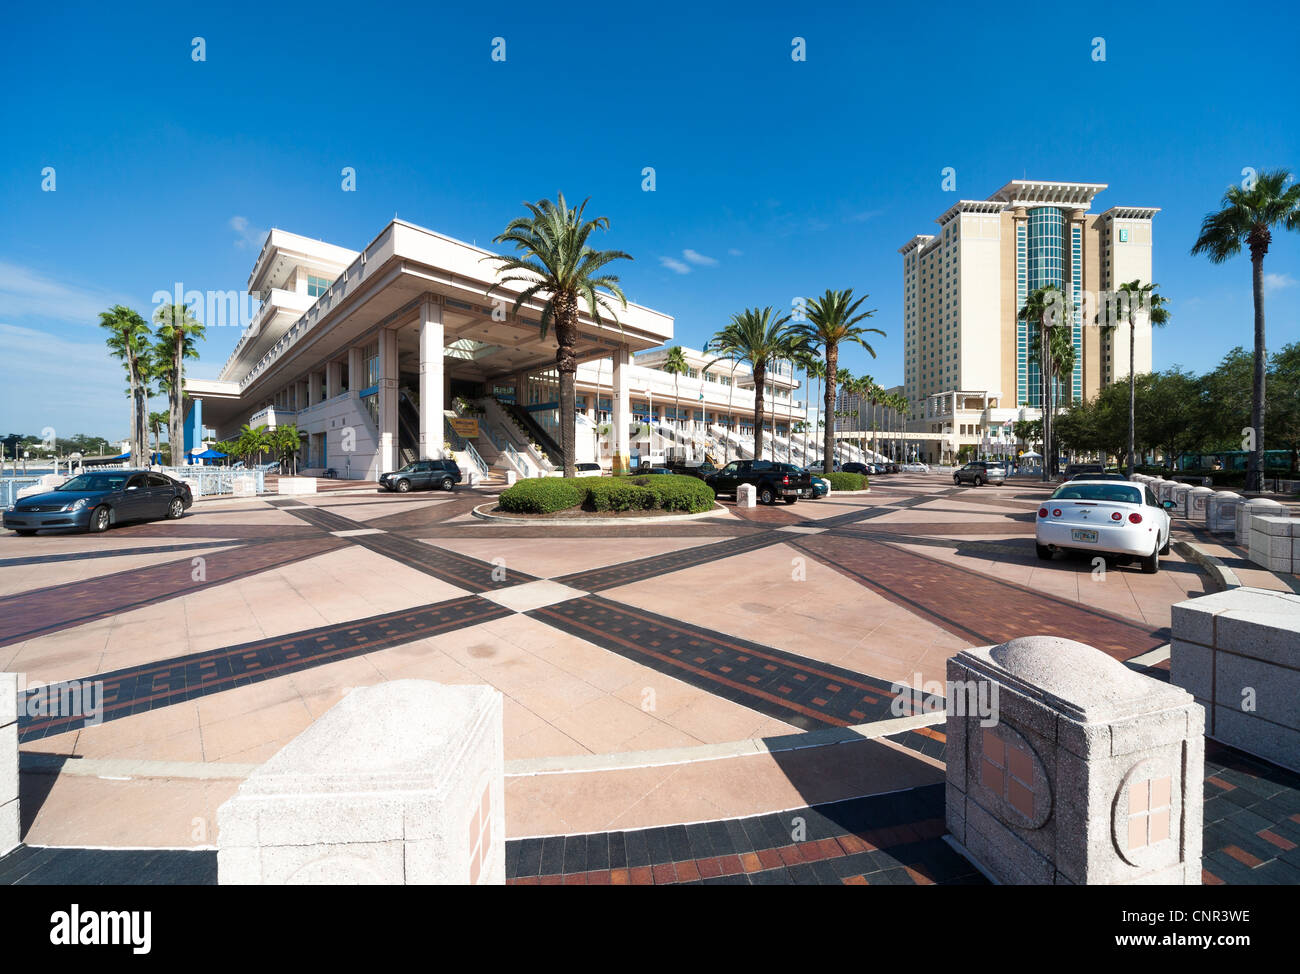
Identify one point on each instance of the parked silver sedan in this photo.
(980, 472)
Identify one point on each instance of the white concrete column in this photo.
(356, 366)
(431, 380)
(313, 388)
(10, 827)
(622, 403)
(333, 379)
(387, 400)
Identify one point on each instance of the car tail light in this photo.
(1117, 516)
(1135, 518)
(1056, 512)
(1042, 512)
(785, 479)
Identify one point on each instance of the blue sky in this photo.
(782, 178)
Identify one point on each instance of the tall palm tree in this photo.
(756, 336)
(1045, 309)
(177, 333)
(554, 260)
(128, 340)
(157, 420)
(1061, 357)
(1122, 305)
(1248, 216)
(814, 368)
(675, 365)
(834, 320)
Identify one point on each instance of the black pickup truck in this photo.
(771, 480)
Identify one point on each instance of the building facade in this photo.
(969, 364)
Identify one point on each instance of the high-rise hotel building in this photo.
(968, 368)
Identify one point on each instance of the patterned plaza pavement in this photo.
(632, 660)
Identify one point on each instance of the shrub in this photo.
(542, 495)
(658, 492)
(845, 481)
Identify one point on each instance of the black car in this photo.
(854, 467)
(422, 475)
(700, 470)
(770, 480)
(95, 501)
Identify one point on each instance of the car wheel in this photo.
(956, 480)
(446, 483)
(791, 500)
(978, 482)
(1044, 552)
(99, 519)
(24, 534)
(1151, 563)
(766, 496)
(1169, 539)
(403, 486)
(176, 509)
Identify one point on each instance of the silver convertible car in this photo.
(94, 501)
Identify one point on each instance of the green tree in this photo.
(128, 340)
(834, 320)
(759, 337)
(675, 365)
(1121, 306)
(176, 337)
(1248, 217)
(1046, 309)
(157, 420)
(553, 260)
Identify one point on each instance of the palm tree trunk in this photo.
(566, 334)
(1132, 392)
(832, 367)
(1255, 465)
(760, 372)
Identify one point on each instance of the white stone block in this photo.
(10, 826)
(511, 478)
(1221, 512)
(746, 495)
(398, 783)
(1254, 507)
(244, 486)
(296, 485)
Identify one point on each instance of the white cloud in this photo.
(1276, 282)
(250, 237)
(735, 253)
(27, 293)
(675, 265)
(695, 257)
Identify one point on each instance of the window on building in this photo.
(316, 286)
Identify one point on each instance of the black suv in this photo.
(771, 480)
(701, 470)
(422, 475)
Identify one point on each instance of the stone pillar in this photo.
(10, 824)
(333, 379)
(622, 403)
(1065, 767)
(1275, 543)
(314, 386)
(387, 399)
(432, 385)
(1198, 499)
(1179, 494)
(746, 496)
(401, 783)
(1221, 512)
(1238, 652)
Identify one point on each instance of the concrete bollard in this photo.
(511, 478)
(1197, 500)
(1238, 652)
(1253, 507)
(400, 783)
(746, 495)
(1085, 772)
(1275, 542)
(1179, 494)
(10, 824)
(1221, 512)
(295, 485)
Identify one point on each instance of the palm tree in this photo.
(177, 333)
(675, 365)
(833, 320)
(816, 369)
(758, 337)
(252, 441)
(554, 260)
(285, 443)
(1123, 304)
(1248, 216)
(1061, 357)
(157, 420)
(1045, 309)
(128, 340)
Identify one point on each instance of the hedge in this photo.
(845, 481)
(649, 492)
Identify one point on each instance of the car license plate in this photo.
(1079, 534)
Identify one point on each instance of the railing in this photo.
(219, 481)
(462, 445)
(10, 486)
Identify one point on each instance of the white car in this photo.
(1111, 517)
(586, 470)
(915, 468)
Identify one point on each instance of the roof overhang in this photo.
(1033, 192)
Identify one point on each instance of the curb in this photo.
(1219, 573)
(596, 522)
